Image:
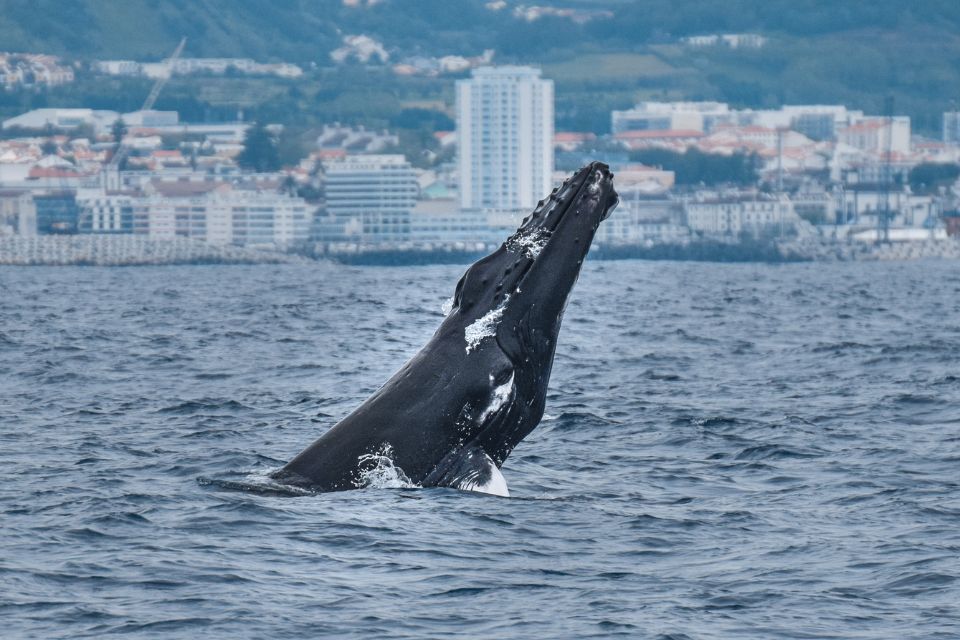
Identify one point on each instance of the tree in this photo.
(118, 129)
(928, 177)
(695, 167)
(49, 147)
(259, 150)
(288, 186)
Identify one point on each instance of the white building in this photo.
(33, 69)
(105, 212)
(864, 204)
(643, 219)
(369, 199)
(878, 134)
(63, 119)
(151, 118)
(673, 116)
(732, 40)
(820, 121)
(355, 139)
(18, 213)
(505, 137)
(117, 67)
(735, 215)
(185, 66)
(212, 212)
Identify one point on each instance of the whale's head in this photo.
(508, 307)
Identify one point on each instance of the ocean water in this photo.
(729, 451)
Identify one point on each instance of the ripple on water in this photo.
(729, 451)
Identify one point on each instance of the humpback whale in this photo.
(454, 412)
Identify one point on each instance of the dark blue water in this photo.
(730, 451)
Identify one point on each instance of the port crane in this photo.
(110, 176)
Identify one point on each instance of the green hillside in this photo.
(850, 51)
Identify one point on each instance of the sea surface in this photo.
(729, 451)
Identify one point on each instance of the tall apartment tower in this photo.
(505, 138)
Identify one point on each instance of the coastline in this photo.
(129, 250)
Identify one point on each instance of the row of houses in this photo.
(33, 69)
(213, 211)
(695, 121)
(187, 66)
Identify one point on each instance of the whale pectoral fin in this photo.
(469, 469)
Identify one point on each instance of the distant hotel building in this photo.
(505, 137)
(369, 199)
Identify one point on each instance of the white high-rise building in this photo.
(505, 138)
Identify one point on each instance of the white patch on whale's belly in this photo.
(498, 398)
(496, 484)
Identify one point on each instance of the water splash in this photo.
(484, 327)
(380, 472)
(529, 243)
(447, 306)
(253, 481)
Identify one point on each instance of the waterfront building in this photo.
(730, 216)
(439, 221)
(57, 212)
(863, 203)
(104, 212)
(213, 212)
(643, 219)
(18, 214)
(505, 138)
(368, 199)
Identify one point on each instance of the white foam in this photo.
(383, 473)
(495, 486)
(530, 243)
(500, 396)
(447, 306)
(485, 327)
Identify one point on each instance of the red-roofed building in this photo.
(878, 134)
(670, 137)
(571, 140)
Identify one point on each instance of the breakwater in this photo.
(828, 250)
(127, 250)
(134, 250)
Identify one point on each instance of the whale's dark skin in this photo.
(452, 412)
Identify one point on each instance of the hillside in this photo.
(849, 51)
